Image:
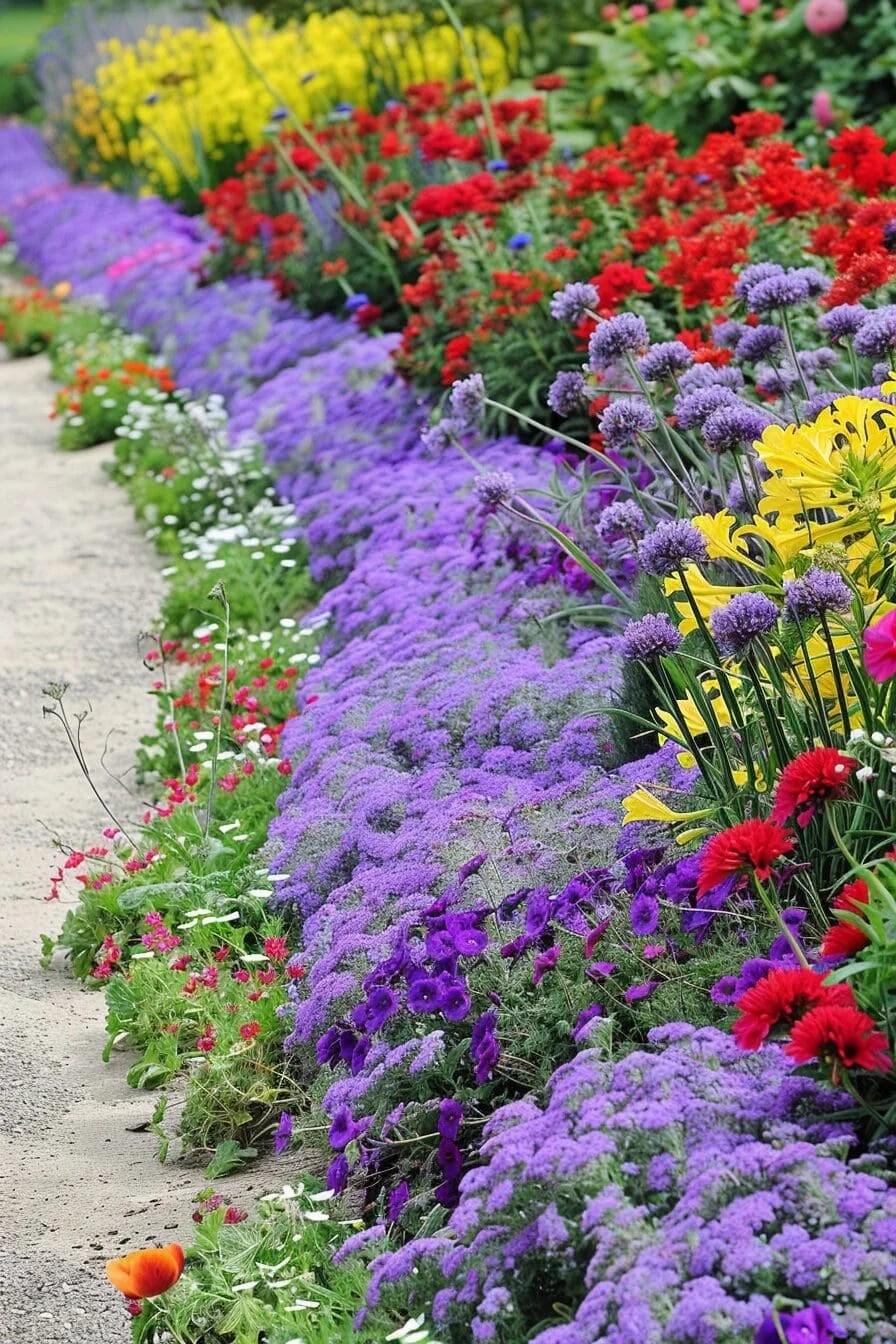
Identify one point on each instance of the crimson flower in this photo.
(782, 997)
(842, 1036)
(810, 780)
(750, 846)
(842, 939)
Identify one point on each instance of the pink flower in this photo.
(638, 13)
(824, 17)
(880, 648)
(748, 6)
(823, 109)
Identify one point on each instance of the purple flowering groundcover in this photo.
(482, 939)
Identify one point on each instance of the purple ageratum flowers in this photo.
(568, 393)
(743, 619)
(624, 421)
(571, 303)
(815, 594)
(653, 636)
(670, 546)
(625, 334)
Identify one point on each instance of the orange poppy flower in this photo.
(147, 1273)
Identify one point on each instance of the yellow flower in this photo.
(643, 806)
(726, 540)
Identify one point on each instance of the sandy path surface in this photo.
(77, 585)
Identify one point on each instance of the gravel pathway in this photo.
(77, 1183)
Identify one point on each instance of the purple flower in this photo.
(815, 593)
(732, 428)
(344, 1129)
(644, 914)
(283, 1133)
(620, 521)
(694, 406)
(451, 1114)
(876, 338)
(454, 1001)
(843, 321)
(744, 618)
(758, 343)
(584, 1020)
(785, 290)
(381, 1004)
(439, 438)
(356, 301)
(812, 1325)
(753, 275)
(637, 992)
(617, 336)
(484, 1048)
(571, 303)
(398, 1197)
(726, 990)
(498, 487)
(624, 420)
(424, 994)
(518, 241)
(701, 376)
(598, 970)
(467, 400)
(567, 393)
(670, 546)
(664, 360)
(338, 1174)
(468, 940)
(651, 637)
(544, 962)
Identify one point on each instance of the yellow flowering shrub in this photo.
(175, 111)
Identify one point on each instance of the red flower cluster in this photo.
(750, 847)
(813, 778)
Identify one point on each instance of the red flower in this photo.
(750, 846)
(811, 779)
(842, 939)
(842, 1036)
(783, 996)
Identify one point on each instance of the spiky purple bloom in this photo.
(571, 303)
(441, 437)
(843, 321)
(735, 626)
(758, 343)
(467, 400)
(815, 593)
(653, 636)
(727, 334)
(699, 376)
(692, 408)
(876, 338)
(816, 361)
(497, 487)
(624, 420)
(568, 392)
(777, 291)
(665, 360)
(671, 545)
(621, 520)
(731, 428)
(755, 274)
(625, 334)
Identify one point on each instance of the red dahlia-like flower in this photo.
(750, 846)
(842, 1036)
(782, 997)
(842, 939)
(809, 781)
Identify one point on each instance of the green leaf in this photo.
(147, 1074)
(229, 1156)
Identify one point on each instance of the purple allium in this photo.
(653, 636)
(740, 621)
(753, 275)
(699, 376)
(665, 360)
(758, 343)
(544, 962)
(451, 1114)
(731, 428)
(621, 520)
(816, 361)
(727, 334)
(623, 420)
(816, 282)
(737, 501)
(644, 914)
(778, 381)
(811, 1325)
(439, 438)
(498, 487)
(670, 546)
(283, 1133)
(571, 303)
(815, 593)
(777, 291)
(693, 408)
(843, 321)
(568, 392)
(876, 338)
(467, 400)
(518, 241)
(617, 336)
(820, 402)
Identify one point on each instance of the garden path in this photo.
(77, 1183)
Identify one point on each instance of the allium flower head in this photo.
(623, 420)
(617, 336)
(746, 848)
(841, 1036)
(664, 360)
(731, 428)
(842, 321)
(622, 519)
(755, 274)
(780, 999)
(693, 408)
(777, 291)
(568, 392)
(740, 621)
(758, 343)
(653, 636)
(671, 545)
(439, 438)
(497, 487)
(815, 593)
(876, 338)
(699, 376)
(468, 400)
(810, 780)
(571, 303)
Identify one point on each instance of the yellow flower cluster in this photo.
(177, 110)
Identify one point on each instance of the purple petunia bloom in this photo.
(811, 1325)
(743, 619)
(283, 1133)
(544, 962)
(424, 993)
(344, 1129)
(337, 1174)
(398, 1197)
(451, 1114)
(644, 914)
(454, 1001)
(380, 1006)
(635, 993)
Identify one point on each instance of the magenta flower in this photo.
(880, 648)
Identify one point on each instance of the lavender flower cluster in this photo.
(675, 1195)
